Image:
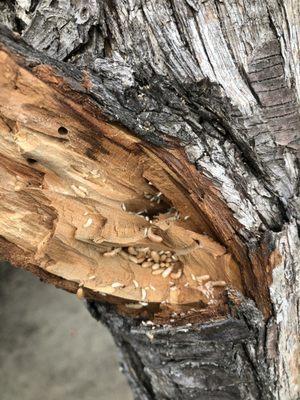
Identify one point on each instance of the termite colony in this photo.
(106, 212)
(164, 263)
(158, 258)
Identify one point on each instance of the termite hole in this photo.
(31, 160)
(62, 130)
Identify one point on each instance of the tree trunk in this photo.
(172, 126)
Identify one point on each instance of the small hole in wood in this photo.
(31, 160)
(62, 130)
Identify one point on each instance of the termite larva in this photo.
(134, 306)
(153, 237)
(80, 293)
(113, 252)
(155, 266)
(88, 223)
(146, 264)
(167, 272)
(176, 275)
(202, 278)
(144, 294)
(117, 285)
(135, 284)
(83, 189)
(157, 271)
(155, 256)
(132, 251)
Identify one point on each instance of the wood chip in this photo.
(218, 283)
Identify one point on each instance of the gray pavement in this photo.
(50, 347)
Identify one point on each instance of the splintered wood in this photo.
(87, 202)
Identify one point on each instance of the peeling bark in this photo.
(211, 91)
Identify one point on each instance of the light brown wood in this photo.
(74, 188)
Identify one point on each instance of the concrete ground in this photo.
(50, 347)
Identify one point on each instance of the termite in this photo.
(167, 272)
(153, 237)
(80, 293)
(144, 294)
(176, 275)
(117, 285)
(113, 252)
(202, 278)
(158, 271)
(88, 223)
(135, 284)
(133, 306)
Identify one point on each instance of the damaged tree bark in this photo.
(149, 163)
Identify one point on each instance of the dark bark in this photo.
(222, 79)
(216, 360)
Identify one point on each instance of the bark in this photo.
(212, 89)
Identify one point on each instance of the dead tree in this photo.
(148, 157)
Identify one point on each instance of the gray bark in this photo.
(223, 79)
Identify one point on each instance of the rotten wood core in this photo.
(93, 209)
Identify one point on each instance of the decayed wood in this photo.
(211, 85)
(51, 176)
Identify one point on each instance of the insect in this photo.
(80, 293)
(112, 252)
(117, 285)
(167, 272)
(88, 223)
(153, 237)
(144, 294)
